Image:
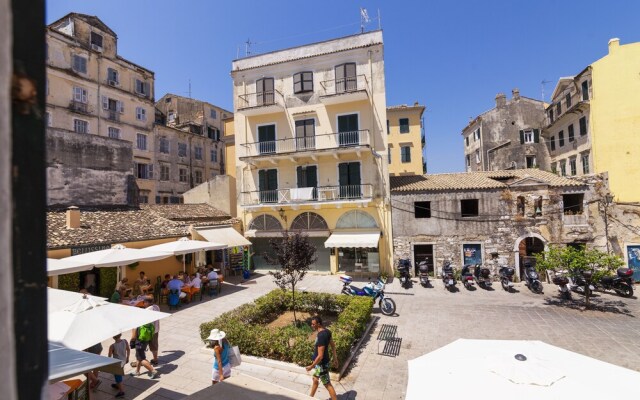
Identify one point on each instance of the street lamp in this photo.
(281, 213)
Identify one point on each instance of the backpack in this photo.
(146, 332)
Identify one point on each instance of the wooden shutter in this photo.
(312, 176)
(262, 180)
(343, 172)
(340, 81)
(105, 102)
(297, 83)
(120, 106)
(301, 176)
(147, 89)
(536, 135)
(354, 173)
(150, 171)
(521, 137)
(272, 179)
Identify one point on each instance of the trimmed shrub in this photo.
(246, 326)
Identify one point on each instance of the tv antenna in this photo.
(364, 18)
(247, 47)
(544, 82)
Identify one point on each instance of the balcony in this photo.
(576, 110)
(79, 107)
(336, 91)
(343, 142)
(308, 196)
(260, 103)
(113, 115)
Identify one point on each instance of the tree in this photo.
(294, 253)
(578, 261)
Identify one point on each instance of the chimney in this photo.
(73, 217)
(614, 44)
(501, 100)
(515, 94)
(416, 104)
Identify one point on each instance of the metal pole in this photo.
(606, 223)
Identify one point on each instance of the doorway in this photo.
(422, 252)
(527, 250)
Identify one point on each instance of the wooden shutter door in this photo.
(340, 82)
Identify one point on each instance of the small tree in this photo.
(294, 253)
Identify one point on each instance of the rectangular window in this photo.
(306, 134)
(572, 166)
(265, 92)
(585, 90)
(476, 135)
(214, 155)
(96, 39)
(80, 126)
(550, 115)
(113, 77)
(563, 168)
(183, 174)
(141, 114)
(267, 139)
(404, 125)
(554, 168)
(561, 138)
(405, 154)
(268, 185)
(528, 136)
(171, 116)
(164, 172)
(197, 176)
(477, 156)
(468, 160)
(531, 161)
(144, 171)
(142, 88)
(389, 155)
(469, 208)
(346, 79)
(80, 95)
(213, 114)
(348, 130)
(198, 153)
(585, 163)
(583, 126)
(182, 149)
(164, 145)
(572, 203)
(422, 209)
(388, 131)
(143, 197)
(567, 100)
(571, 133)
(552, 141)
(79, 64)
(349, 180)
(303, 82)
(114, 133)
(559, 108)
(466, 141)
(141, 141)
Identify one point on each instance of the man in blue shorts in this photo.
(321, 358)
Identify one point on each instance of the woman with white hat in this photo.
(221, 349)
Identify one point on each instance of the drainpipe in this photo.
(99, 97)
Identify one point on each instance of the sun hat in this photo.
(216, 334)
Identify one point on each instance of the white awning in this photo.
(353, 239)
(226, 235)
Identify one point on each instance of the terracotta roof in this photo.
(101, 226)
(477, 180)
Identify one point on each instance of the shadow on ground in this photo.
(597, 303)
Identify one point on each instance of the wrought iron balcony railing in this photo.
(260, 99)
(309, 143)
(343, 85)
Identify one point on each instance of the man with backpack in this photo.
(140, 339)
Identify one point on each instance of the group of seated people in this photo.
(188, 285)
(142, 286)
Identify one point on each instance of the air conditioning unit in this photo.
(96, 47)
(113, 83)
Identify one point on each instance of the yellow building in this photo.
(311, 151)
(229, 139)
(406, 140)
(593, 121)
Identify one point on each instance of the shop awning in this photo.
(226, 235)
(353, 239)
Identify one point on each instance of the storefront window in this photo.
(359, 259)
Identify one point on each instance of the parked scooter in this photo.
(506, 277)
(564, 283)
(375, 290)
(621, 283)
(532, 279)
(448, 279)
(404, 266)
(581, 282)
(482, 276)
(423, 273)
(466, 277)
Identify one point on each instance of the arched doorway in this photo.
(526, 248)
(262, 228)
(316, 228)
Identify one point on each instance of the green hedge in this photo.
(246, 326)
(69, 282)
(108, 281)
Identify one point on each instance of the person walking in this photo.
(221, 349)
(141, 338)
(119, 350)
(154, 343)
(321, 358)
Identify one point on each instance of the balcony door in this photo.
(267, 139)
(308, 178)
(346, 80)
(306, 134)
(348, 134)
(268, 185)
(264, 92)
(349, 180)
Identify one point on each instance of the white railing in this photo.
(311, 194)
(309, 143)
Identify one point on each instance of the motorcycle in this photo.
(466, 277)
(559, 278)
(482, 276)
(423, 273)
(621, 283)
(532, 280)
(448, 279)
(375, 290)
(581, 282)
(506, 278)
(404, 266)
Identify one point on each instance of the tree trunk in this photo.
(587, 296)
(293, 305)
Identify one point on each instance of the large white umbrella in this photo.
(58, 300)
(185, 246)
(514, 369)
(116, 256)
(90, 321)
(64, 266)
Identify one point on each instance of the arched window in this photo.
(309, 221)
(521, 206)
(265, 222)
(356, 219)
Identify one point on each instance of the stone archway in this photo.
(525, 247)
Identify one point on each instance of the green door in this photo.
(348, 134)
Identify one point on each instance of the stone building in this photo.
(490, 217)
(507, 136)
(405, 133)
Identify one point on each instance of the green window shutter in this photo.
(354, 173)
(343, 174)
(262, 180)
(536, 135)
(312, 176)
(302, 181)
(521, 137)
(272, 179)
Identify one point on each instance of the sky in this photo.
(451, 56)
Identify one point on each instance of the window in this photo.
(583, 126)
(141, 114)
(550, 115)
(567, 100)
(164, 172)
(571, 133)
(476, 135)
(79, 64)
(572, 203)
(477, 156)
(197, 176)
(306, 134)
(182, 174)
(141, 141)
(388, 131)
(389, 155)
(422, 209)
(346, 79)
(80, 95)
(142, 88)
(214, 155)
(349, 180)
(530, 136)
(164, 145)
(469, 208)
(559, 108)
(47, 116)
(213, 114)
(563, 168)
(144, 171)
(114, 133)
(585, 163)
(171, 116)
(466, 141)
(537, 210)
(554, 168)
(182, 149)
(585, 90)
(96, 39)
(572, 166)
(405, 154)
(404, 125)
(303, 82)
(113, 77)
(553, 143)
(265, 92)
(468, 160)
(80, 126)
(531, 161)
(520, 205)
(143, 197)
(198, 153)
(561, 138)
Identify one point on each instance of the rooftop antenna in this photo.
(544, 82)
(189, 87)
(364, 18)
(247, 47)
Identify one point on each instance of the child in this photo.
(120, 350)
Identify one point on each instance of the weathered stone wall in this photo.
(88, 170)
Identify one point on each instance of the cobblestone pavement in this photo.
(426, 319)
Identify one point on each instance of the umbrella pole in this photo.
(184, 257)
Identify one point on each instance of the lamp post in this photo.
(607, 200)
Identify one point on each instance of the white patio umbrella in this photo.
(90, 321)
(65, 363)
(64, 266)
(185, 246)
(514, 369)
(58, 300)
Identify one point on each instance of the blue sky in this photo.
(452, 56)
